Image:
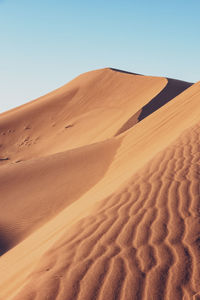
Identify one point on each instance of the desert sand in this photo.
(100, 191)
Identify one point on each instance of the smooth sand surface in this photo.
(105, 204)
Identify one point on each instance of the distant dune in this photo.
(100, 191)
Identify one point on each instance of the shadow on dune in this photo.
(173, 88)
(126, 72)
(4, 243)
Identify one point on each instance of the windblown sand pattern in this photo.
(141, 240)
(140, 243)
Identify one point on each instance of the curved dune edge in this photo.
(46, 186)
(155, 133)
(181, 109)
(172, 89)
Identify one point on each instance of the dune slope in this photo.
(45, 186)
(140, 243)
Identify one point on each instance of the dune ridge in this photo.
(120, 211)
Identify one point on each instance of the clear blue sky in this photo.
(46, 43)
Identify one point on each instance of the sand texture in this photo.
(100, 191)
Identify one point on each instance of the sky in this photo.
(46, 43)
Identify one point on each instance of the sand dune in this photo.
(105, 204)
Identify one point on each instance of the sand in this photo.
(99, 186)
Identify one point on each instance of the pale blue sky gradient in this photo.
(46, 43)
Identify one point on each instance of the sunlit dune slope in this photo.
(140, 243)
(34, 191)
(112, 211)
(91, 108)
